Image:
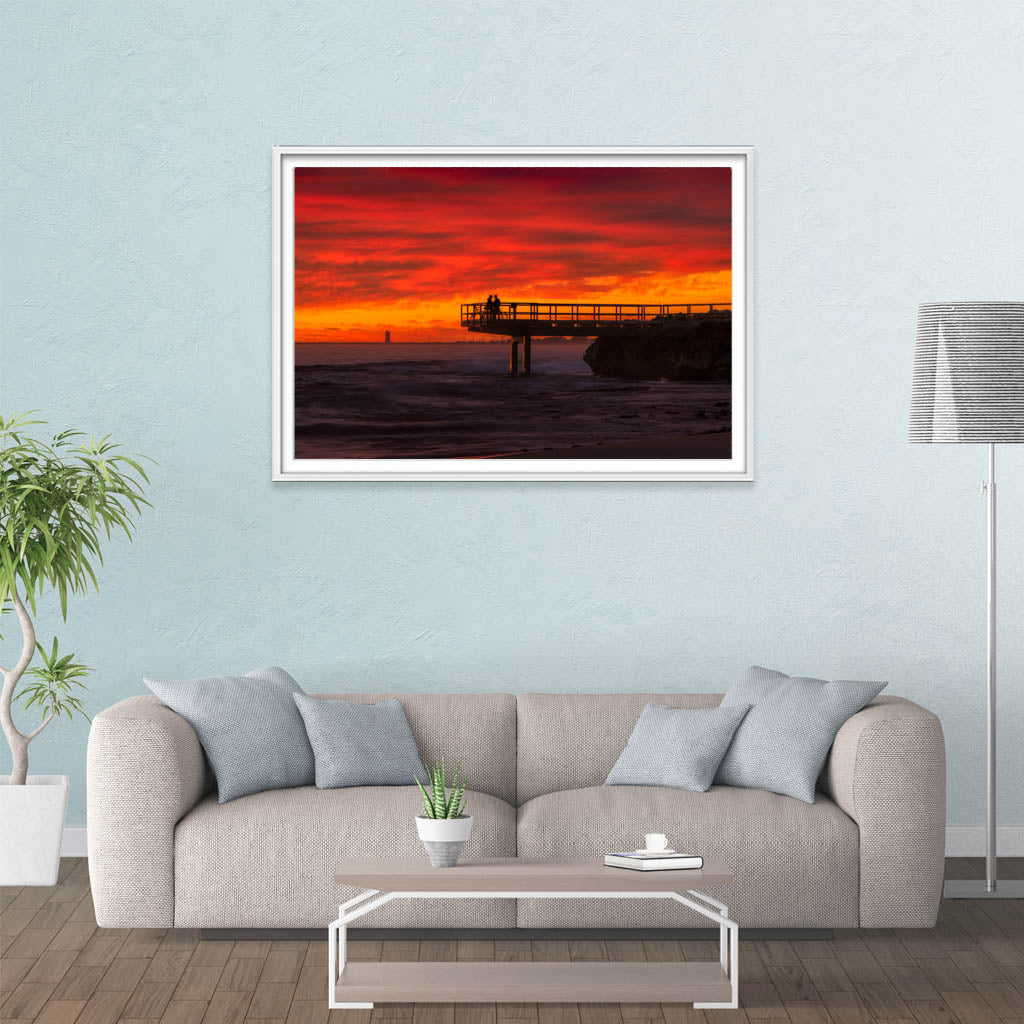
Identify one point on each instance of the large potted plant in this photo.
(443, 827)
(59, 500)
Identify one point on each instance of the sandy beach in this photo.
(716, 445)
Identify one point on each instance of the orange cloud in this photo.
(401, 249)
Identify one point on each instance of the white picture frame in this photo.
(286, 467)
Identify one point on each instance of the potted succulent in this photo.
(58, 500)
(442, 826)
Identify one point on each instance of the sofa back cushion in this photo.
(478, 729)
(572, 740)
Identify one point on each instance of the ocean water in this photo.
(458, 401)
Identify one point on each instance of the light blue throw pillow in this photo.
(783, 741)
(676, 747)
(360, 744)
(249, 727)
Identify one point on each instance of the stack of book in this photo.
(660, 860)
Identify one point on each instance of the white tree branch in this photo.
(28, 630)
(40, 727)
(11, 676)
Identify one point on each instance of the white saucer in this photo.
(654, 851)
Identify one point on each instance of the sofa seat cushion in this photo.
(796, 864)
(268, 860)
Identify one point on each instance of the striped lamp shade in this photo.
(968, 373)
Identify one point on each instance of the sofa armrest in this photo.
(146, 770)
(887, 771)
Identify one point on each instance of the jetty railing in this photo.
(474, 313)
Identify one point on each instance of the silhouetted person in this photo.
(497, 305)
(489, 307)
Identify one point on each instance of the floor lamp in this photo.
(969, 388)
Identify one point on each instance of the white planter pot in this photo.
(444, 838)
(32, 819)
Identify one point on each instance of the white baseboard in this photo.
(961, 841)
(74, 843)
(969, 840)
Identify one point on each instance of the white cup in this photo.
(656, 841)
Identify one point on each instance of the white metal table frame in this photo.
(371, 899)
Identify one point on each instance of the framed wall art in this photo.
(512, 314)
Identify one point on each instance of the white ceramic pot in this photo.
(444, 838)
(33, 826)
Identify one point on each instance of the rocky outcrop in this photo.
(673, 348)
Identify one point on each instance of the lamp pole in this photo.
(991, 868)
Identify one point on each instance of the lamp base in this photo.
(976, 889)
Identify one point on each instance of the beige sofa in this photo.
(868, 852)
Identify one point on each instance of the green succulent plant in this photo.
(437, 802)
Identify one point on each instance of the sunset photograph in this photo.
(513, 312)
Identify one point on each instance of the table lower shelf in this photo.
(517, 982)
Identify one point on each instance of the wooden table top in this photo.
(522, 874)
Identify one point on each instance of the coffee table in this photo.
(713, 985)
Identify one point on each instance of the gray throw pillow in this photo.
(677, 747)
(360, 744)
(249, 727)
(784, 739)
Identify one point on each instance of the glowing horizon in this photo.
(401, 249)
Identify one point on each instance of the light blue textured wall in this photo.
(136, 301)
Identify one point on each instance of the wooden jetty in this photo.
(524, 321)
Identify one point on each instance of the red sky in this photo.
(402, 248)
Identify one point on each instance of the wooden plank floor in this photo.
(57, 967)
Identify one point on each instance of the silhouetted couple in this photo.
(492, 307)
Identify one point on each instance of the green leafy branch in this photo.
(437, 802)
(59, 501)
(51, 688)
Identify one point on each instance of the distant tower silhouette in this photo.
(387, 337)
